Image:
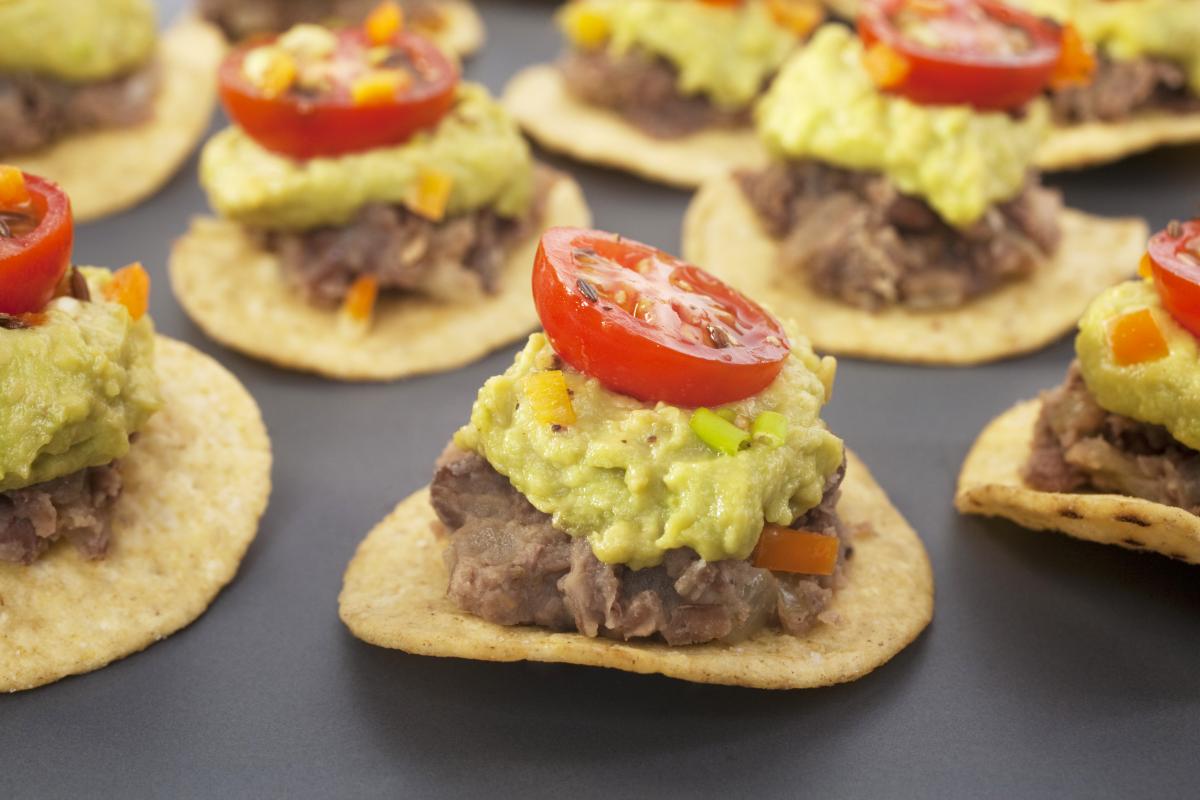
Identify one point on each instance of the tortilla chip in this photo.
(538, 98)
(110, 170)
(991, 484)
(1078, 146)
(722, 234)
(394, 595)
(196, 483)
(461, 31)
(234, 291)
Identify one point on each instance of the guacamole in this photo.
(725, 52)
(76, 40)
(477, 144)
(1125, 29)
(636, 481)
(1164, 392)
(73, 388)
(824, 106)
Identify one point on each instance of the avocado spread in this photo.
(726, 52)
(636, 481)
(1127, 29)
(477, 144)
(76, 40)
(1164, 392)
(824, 106)
(73, 388)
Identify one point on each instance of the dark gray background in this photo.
(1053, 667)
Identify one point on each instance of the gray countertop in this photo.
(1052, 668)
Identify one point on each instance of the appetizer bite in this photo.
(133, 470)
(91, 98)
(453, 24)
(1111, 455)
(660, 88)
(378, 216)
(1146, 91)
(649, 487)
(901, 217)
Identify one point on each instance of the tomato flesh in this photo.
(980, 53)
(304, 125)
(36, 253)
(650, 326)
(1175, 264)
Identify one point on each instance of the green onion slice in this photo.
(719, 434)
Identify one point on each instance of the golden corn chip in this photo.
(394, 595)
(196, 482)
(991, 484)
(235, 291)
(722, 233)
(538, 99)
(110, 170)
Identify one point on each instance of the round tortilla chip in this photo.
(196, 483)
(1078, 146)
(110, 170)
(991, 484)
(234, 291)
(722, 234)
(394, 595)
(538, 99)
(461, 31)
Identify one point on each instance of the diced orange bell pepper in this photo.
(729, 3)
(380, 86)
(1135, 338)
(782, 549)
(800, 17)
(1146, 267)
(1076, 64)
(13, 192)
(384, 22)
(549, 397)
(431, 195)
(359, 304)
(887, 67)
(130, 286)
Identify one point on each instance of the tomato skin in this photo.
(333, 125)
(33, 263)
(988, 83)
(1175, 265)
(632, 356)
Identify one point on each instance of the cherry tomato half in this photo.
(1175, 263)
(650, 326)
(35, 255)
(307, 125)
(981, 53)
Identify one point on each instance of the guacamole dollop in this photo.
(635, 480)
(1164, 392)
(824, 106)
(76, 40)
(726, 53)
(1126, 29)
(73, 388)
(477, 144)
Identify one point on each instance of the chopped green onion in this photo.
(727, 414)
(770, 426)
(719, 434)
